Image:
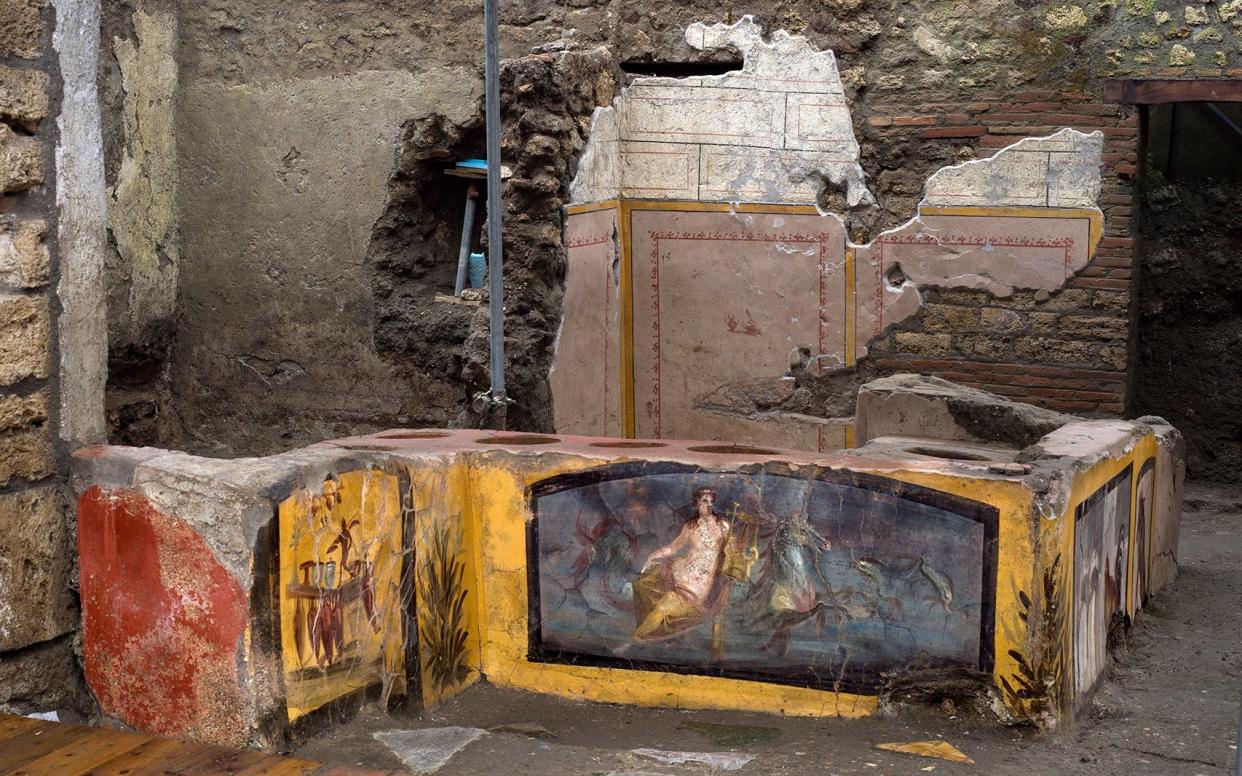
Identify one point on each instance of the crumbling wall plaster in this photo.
(778, 130)
(1060, 170)
(141, 209)
(926, 90)
(808, 299)
(81, 226)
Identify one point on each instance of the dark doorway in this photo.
(1189, 253)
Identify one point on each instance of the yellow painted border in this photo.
(498, 490)
(1086, 484)
(627, 320)
(626, 207)
(500, 512)
(1094, 230)
(851, 309)
(691, 206)
(592, 207)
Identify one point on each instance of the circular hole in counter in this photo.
(414, 435)
(628, 445)
(948, 455)
(517, 439)
(731, 450)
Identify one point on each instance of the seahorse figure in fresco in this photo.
(785, 594)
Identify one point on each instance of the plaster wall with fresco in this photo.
(705, 275)
(274, 596)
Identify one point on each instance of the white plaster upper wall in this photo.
(769, 133)
(598, 178)
(1060, 170)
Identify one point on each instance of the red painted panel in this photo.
(163, 621)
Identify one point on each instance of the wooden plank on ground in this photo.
(274, 765)
(190, 758)
(33, 743)
(31, 747)
(228, 762)
(91, 748)
(143, 760)
(11, 725)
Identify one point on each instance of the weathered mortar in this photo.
(925, 90)
(51, 384)
(440, 348)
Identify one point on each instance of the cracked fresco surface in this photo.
(700, 242)
(650, 573)
(340, 588)
(823, 581)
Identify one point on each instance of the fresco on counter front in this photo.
(1101, 560)
(1145, 499)
(340, 588)
(828, 580)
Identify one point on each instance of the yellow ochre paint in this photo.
(1095, 218)
(627, 321)
(851, 309)
(625, 207)
(498, 493)
(1084, 486)
(481, 502)
(1015, 557)
(318, 576)
(441, 512)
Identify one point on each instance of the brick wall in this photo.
(1069, 350)
(38, 609)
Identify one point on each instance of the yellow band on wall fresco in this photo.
(716, 300)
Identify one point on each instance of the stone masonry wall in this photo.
(38, 607)
(1068, 350)
(928, 85)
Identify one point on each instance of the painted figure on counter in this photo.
(785, 594)
(328, 585)
(793, 577)
(681, 584)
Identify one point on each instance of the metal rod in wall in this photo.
(495, 248)
(467, 230)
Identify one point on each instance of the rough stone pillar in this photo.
(52, 369)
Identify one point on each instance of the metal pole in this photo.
(495, 250)
(467, 230)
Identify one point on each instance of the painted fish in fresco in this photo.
(940, 582)
(871, 569)
(876, 573)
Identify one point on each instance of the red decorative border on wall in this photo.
(656, 236)
(588, 242)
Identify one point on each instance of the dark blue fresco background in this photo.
(896, 622)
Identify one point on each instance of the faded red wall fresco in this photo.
(163, 621)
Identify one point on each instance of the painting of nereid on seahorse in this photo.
(827, 580)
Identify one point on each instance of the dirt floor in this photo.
(1169, 705)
